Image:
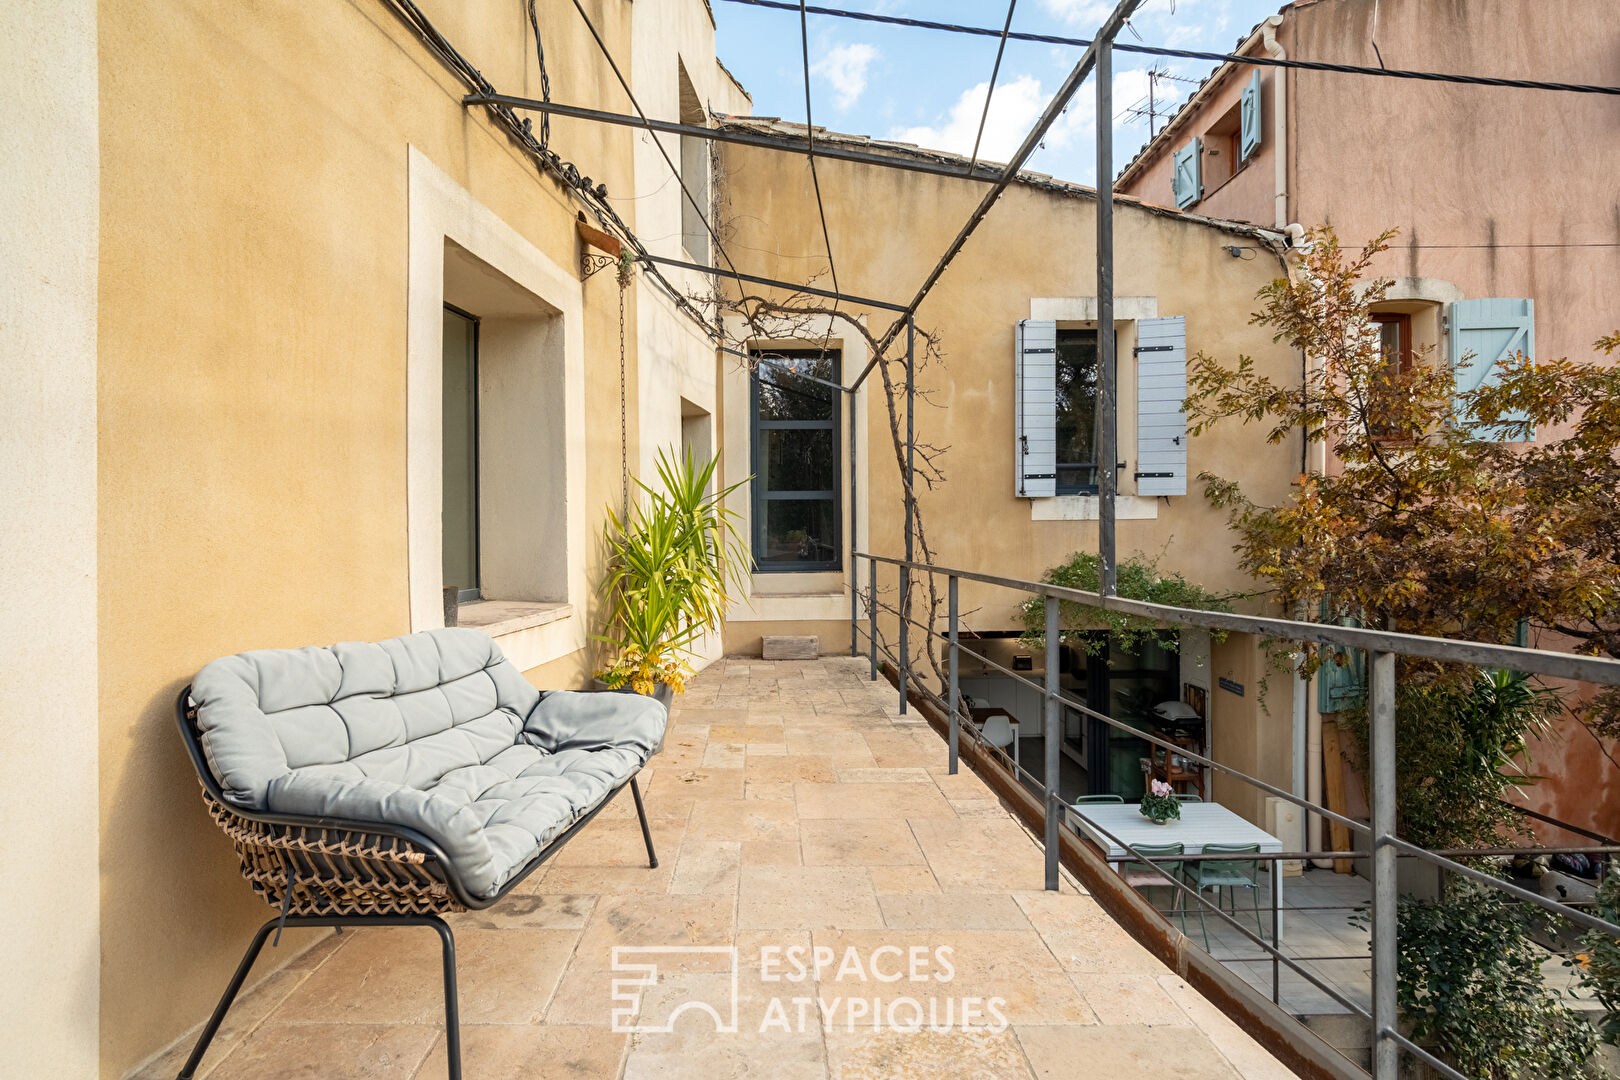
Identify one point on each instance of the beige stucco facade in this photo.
(233, 233)
(49, 182)
(1496, 193)
(1032, 259)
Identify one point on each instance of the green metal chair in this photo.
(1084, 799)
(1145, 875)
(1189, 798)
(1228, 874)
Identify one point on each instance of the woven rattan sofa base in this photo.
(323, 872)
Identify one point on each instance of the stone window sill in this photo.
(498, 617)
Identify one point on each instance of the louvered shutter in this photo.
(1249, 141)
(1487, 333)
(1161, 389)
(1035, 400)
(1187, 180)
(1341, 680)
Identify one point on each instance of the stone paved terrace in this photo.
(791, 807)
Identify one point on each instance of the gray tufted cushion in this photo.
(435, 731)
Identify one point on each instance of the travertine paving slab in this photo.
(858, 842)
(1122, 1050)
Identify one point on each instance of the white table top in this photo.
(1200, 824)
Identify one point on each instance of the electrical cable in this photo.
(545, 80)
(1194, 54)
(815, 181)
(520, 132)
(623, 82)
(995, 69)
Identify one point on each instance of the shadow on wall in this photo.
(163, 857)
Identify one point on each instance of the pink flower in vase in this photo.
(1160, 788)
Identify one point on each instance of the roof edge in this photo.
(788, 131)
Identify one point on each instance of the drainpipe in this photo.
(1279, 116)
(1306, 735)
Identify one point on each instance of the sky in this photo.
(928, 86)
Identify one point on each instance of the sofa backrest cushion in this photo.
(409, 709)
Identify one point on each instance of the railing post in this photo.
(905, 637)
(871, 614)
(955, 696)
(1381, 753)
(1276, 928)
(854, 604)
(1054, 739)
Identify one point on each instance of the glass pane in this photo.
(797, 460)
(798, 531)
(1076, 477)
(460, 420)
(785, 393)
(1076, 404)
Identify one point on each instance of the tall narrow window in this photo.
(460, 446)
(1076, 412)
(694, 172)
(795, 413)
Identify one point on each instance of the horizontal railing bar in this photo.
(1591, 922)
(1180, 751)
(1536, 661)
(1566, 826)
(1252, 856)
(1417, 1051)
(1300, 959)
(1452, 853)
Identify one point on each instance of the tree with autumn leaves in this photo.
(1443, 517)
(1449, 513)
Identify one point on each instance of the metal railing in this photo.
(1382, 648)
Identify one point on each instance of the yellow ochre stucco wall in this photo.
(252, 391)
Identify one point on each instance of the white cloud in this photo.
(843, 67)
(1091, 12)
(1013, 111)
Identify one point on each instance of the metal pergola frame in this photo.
(1383, 647)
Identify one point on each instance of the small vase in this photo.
(1159, 820)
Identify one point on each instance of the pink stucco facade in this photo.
(1496, 192)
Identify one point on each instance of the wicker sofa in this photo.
(387, 783)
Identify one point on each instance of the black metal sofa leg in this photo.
(452, 1013)
(224, 1006)
(646, 833)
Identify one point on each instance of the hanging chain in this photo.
(624, 408)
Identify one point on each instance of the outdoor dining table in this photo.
(1201, 823)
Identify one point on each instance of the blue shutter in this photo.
(1485, 334)
(1035, 409)
(1187, 178)
(1341, 681)
(1161, 390)
(1250, 113)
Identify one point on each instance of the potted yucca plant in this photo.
(674, 566)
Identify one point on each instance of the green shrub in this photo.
(1138, 579)
(1470, 984)
(1459, 747)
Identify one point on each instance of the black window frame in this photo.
(759, 496)
(1060, 487)
(476, 592)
